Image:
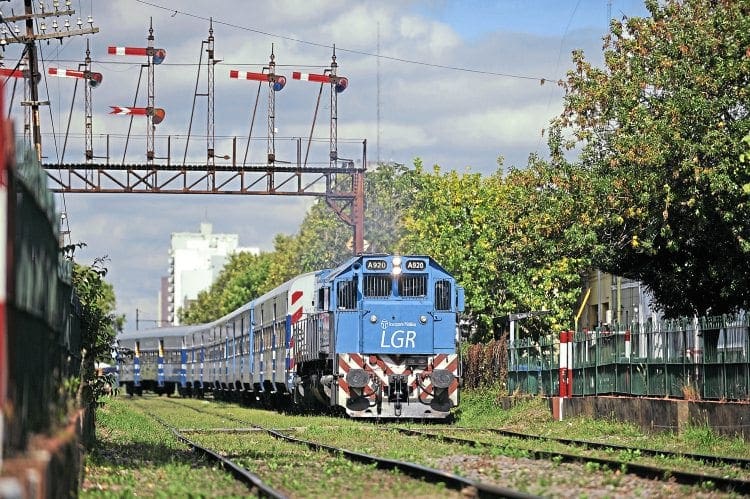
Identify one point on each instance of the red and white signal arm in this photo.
(94, 79)
(157, 114)
(158, 54)
(278, 81)
(340, 82)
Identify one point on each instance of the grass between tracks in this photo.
(135, 456)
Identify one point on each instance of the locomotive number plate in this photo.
(415, 265)
(376, 265)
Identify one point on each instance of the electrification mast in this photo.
(154, 115)
(210, 123)
(30, 39)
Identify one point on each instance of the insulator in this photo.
(43, 27)
(56, 4)
(90, 20)
(67, 4)
(54, 24)
(67, 24)
(79, 23)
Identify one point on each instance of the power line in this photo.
(351, 51)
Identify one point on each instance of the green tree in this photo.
(660, 131)
(99, 326)
(452, 219)
(324, 240)
(243, 278)
(516, 243)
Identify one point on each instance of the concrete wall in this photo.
(657, 414)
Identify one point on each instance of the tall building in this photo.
(195, 261)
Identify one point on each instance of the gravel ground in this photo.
(548, 479)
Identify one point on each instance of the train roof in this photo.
(159, 332)
(284, 287)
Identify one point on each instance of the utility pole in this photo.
(30, 40)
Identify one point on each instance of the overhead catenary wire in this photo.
(351, 51)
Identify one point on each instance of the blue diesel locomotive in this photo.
(376, 337)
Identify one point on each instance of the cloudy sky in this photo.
(455, 83)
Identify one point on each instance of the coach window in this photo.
(443, 295)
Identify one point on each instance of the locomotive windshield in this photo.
(377, 285)
(412, 285)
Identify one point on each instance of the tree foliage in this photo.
(99, 325)
(243, 278)
(323, 241)
(517, 243)
(661, 129)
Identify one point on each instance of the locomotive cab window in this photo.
(412, 285)
(443, 295)
(377, 286)
(346, 294)
(323, 299)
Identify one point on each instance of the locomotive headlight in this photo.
(396, 270)
(373, 318)
(423, 319)
(396, 261)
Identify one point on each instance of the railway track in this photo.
(643, 451)
(253, 481)
(652, 472)
(464, 487)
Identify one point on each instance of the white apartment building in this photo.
(195, 261)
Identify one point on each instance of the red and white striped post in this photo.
(565, 373)
(6, 144)
(628, 347)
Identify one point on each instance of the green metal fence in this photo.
(43, 329)
(533, 366)
(705, 357)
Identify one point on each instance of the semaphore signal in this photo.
(14, 73)
(94, 79)
(278, 81)
(157, 114)
(158, 55)
(339, 81)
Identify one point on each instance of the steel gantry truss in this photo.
(342, 186)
